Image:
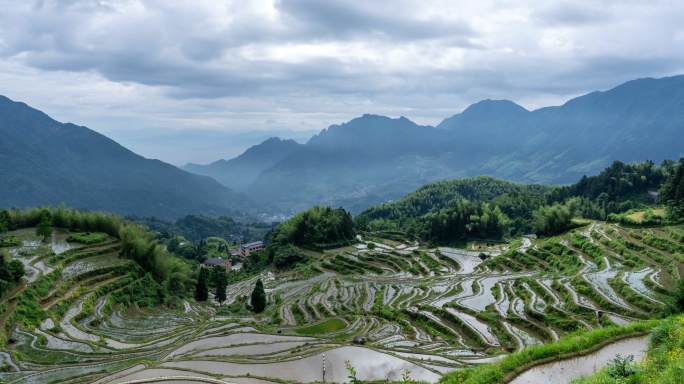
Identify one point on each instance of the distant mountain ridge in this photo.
(368, 160)
(45, 162)
(242, 170)
(374, 159)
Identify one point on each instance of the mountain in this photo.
(45, 162)
(369, 159)
(242, 170)
(374, 159)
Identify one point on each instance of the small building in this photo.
(245, 250)
(209, 263)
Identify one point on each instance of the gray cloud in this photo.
(340, 19)
(223, 65)
(572, 13)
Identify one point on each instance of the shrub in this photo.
(621, 367)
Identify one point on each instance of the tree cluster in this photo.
(70, 219)
(618, 188)
(204, 249)
(315, 228)
(453, 210)
(11, 273)
(465, 220)
(139, 245)
(6, 222)
(198, 227)
(215, 277)
(672, 191)
(485, 207)
(554, 219)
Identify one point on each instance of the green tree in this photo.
(675, 304)
(221, 291)
(5, 221)
(202, 290)
(259, 297)
(45, 228)
(287, 256)
(16, 270)
(219, 279)
(173, 245)
(672, 191)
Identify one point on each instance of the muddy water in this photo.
(567, 370)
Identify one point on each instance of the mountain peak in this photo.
(489, 105)
(484, 113)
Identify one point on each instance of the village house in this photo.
(245, 250)
(209, 263)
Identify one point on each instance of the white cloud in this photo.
(123, 64)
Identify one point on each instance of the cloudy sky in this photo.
(306, 64)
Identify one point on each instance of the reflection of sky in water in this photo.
(566, 370)
(369, 364)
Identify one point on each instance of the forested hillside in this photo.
(45, 162)
(197, 227)
(490, 208)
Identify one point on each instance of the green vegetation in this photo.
(194, 228)
(328, 326)
(258, 297)
(572, 344)
(202, 288)
(11, 273)
(9, 241)
(672, 191)
(454, 210)
(44, 227)
(555, 219)
(88, 238)
(219, 280)
(675, 304)
(490, 296)
(316, 228)
(483, 207)
(172, 275)
(6, 222)
(664, 363)
(287, 256)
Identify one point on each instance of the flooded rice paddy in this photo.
(404, 307)
(565, 371)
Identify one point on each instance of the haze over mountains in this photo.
(373, 159)
(368, 160)
(179, 147)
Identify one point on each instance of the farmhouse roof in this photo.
(255, 244)
(214, 261)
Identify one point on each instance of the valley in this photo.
(298, 191)
(385, 306)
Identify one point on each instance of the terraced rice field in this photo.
(429, 311)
